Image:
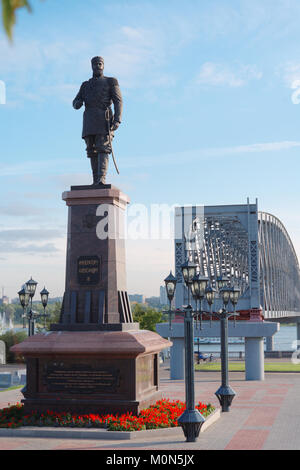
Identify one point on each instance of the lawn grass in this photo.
(240, 366)
(11, 388)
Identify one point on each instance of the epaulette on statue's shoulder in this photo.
(113, 81)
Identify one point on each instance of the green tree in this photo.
(9, 8)
(53, 312)
(18, 314)
(11, 338)
(9, 310)
(147, 317)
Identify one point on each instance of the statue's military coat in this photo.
(98, 94)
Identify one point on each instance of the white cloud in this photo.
(31, 168)
(133, 53)
(290, 72)
(62, 177)
(35, 70)
(217, 74)
(255, 148)
(2, 92)
(208, 153)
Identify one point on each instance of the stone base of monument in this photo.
(95, 360)
(92, 371)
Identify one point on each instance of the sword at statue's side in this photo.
(107, 117)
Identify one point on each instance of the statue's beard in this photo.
(98, 73)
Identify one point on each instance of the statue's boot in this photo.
(102, 167)
(94, 165)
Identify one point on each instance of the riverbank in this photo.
(239, 366)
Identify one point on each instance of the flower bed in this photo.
(163, 414)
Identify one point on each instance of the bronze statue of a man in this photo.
(99, 122)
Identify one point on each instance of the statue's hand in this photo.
(77, 104)
(115, 125)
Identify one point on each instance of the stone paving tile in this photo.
(10, 444)
(10, 397)
(264, 415)
(278, 391)
(78, 445)
(248, 439)
(285, 431)
(260, 395)
(246, 395)
(272, 399)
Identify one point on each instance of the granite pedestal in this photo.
(95, 360)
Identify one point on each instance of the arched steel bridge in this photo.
(252, 248)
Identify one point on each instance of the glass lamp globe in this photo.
(44, 297)
(170, 283)
(210, 293)
(234, 295)
(188, 271)
(222, 281)
(31, 286)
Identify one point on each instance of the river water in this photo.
(284, 340)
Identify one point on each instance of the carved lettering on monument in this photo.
(80, 379)
(88, 270)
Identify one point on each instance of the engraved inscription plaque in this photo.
(88, 270)
(80, 379)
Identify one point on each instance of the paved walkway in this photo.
(264, 415)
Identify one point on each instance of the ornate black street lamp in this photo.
(31, 287)
(210, 294)
(44, 299)
(188, 272)
(170, 283)
(225, 393)
(26, 295)
(191, 420)
(198, 288)
(24, 301)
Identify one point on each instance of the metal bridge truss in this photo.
(252, 248)
(280, 279)
(225, 250)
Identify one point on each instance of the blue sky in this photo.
(211, 116)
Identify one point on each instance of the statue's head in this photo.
(97, 65)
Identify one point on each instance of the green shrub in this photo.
(11, 338)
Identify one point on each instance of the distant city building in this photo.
(54, 299)
(4, 300)
(138, 298)
(163, 295)
(153, 301)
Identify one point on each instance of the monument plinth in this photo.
(95, 360)
(95, 291)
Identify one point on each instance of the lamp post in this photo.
(188, 272)
(26, 295)
(24, 301)
(225, 393)
(170, 283)
(191, 420)
(198, 288)
(44, 299)
(210, 294)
